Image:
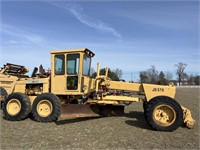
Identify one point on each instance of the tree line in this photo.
(153, 76)
(115, 74)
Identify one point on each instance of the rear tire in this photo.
(46, 108)
(16, 107)
(3, 95)
(164, 114)
(145, 103)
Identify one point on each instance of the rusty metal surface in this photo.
(89, 110)
(2, 98)
(78, 110)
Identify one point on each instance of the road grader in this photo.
(68, 91)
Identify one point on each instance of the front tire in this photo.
(46, 108)
(145, 103)
(16, 107)
(164, 114)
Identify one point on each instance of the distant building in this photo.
(182, 83)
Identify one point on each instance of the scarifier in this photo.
(68, 91)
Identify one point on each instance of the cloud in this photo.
(169, 17)
(17, 36)
(79, 13)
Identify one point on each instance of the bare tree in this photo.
(168, 76)
(191, 79)
(143, 76)
(149, 76)
(118, 72)
(152, 74)
(185, 77)
(197, 80)
(180, 68)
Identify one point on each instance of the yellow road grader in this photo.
(68, 91)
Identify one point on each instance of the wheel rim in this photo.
(13, 107)
(44, 108)
(164, 115)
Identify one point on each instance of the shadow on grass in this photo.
(135, 118)
(75, 120)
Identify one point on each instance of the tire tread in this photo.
(25, 106)
(163, 100)
(56, 108)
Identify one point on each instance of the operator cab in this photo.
(70, 68)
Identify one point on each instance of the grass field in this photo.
(126, 132)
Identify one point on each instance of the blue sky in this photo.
(129, 35)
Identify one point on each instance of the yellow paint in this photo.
(88, 85)
(117, 85)
(187, 118)
(13, 107)
(32, 98)
(152, 90)
(59, 82)
(44, 108)
(120, 98)
(164, 115)
(108, 102)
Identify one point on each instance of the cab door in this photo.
(58, 76)
(88, 84)
(73, 78)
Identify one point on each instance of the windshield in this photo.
(86, 65)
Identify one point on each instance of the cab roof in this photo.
(85, 50)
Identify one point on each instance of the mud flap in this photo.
(90, 110)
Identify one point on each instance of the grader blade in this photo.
(89, 110)
(77, 111)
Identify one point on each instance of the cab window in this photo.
(86, 65)
(73, 63)
(72, 82)
(59, 64)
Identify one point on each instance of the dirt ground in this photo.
(126, 132)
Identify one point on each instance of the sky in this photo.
(131, 35)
